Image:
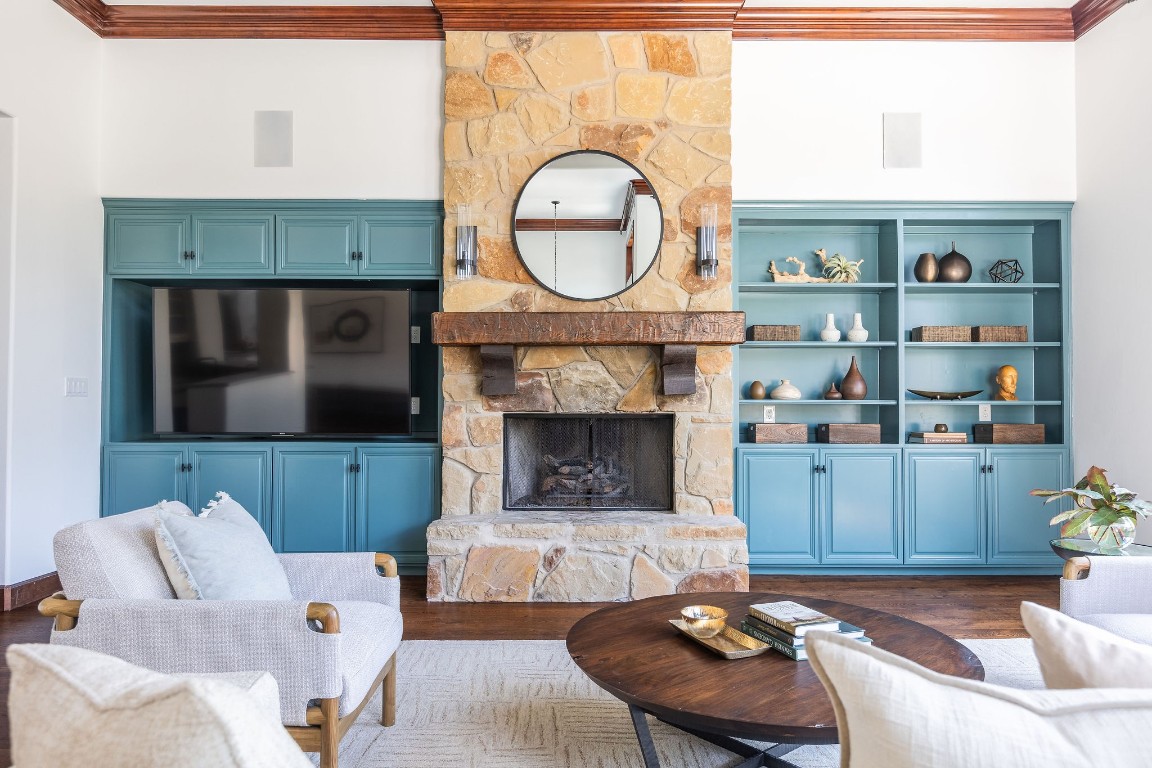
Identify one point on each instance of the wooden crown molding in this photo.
(998, 24)
(407, 23)
(257, 22)
(590, 15)
(1086, 14)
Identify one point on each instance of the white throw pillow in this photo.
(222, 554)
(74, 707)
(1073, 654)
(892, 713)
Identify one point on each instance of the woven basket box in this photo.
(779, 433)
(848, 433)
(774, 333)
(999, 333)
(1008, 434)
(942, 333)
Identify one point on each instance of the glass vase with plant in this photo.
(1107, 511)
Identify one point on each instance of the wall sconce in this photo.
(466, 245)
(706, 261)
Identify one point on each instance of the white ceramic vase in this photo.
(830, 332)
(786, 391)
(857, 333)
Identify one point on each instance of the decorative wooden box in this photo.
(942, 333)
(999, 333)
(774, 333)
(848, 433)
(1008, 433)
(779, 433)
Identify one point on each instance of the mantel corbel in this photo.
(499, 333)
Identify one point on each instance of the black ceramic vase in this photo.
(955, 267)
(927, 269)
(853, 387)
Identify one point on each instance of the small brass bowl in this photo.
(704, 620)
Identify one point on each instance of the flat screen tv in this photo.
(281, 361)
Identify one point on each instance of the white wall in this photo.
(50, 288)
(1112, 271)
(998, 120)
(179, 118)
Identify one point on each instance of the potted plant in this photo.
(1105, 510)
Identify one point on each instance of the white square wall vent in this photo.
(902, 140)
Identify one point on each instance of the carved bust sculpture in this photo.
(1006, 378)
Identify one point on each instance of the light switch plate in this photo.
(769, 414)
(985, 412)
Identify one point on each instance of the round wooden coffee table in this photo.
(631, 651)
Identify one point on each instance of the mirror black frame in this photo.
(659, 240)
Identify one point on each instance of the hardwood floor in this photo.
(959, 606)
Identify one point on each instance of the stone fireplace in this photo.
(512, 102)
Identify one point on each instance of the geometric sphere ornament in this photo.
(1006, 271)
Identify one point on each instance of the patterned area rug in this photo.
(525, 704)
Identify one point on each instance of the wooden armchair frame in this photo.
(325, 727)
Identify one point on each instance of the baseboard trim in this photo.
(30, 591)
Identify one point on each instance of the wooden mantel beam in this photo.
(573, 329)
(676, 333)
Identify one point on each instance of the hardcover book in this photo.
(792, 617)
(794, 652)
(845, 630)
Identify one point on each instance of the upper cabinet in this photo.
(314, 239)
(209, 243)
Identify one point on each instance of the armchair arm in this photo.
(336, 576)
(198, 636)
(1106, 585)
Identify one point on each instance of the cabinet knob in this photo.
(991, 468)
(983, 469)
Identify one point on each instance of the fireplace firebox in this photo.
(588, 461)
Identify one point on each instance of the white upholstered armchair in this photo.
(328, 649)
(1114, 593)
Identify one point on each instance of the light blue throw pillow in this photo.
(220, 554)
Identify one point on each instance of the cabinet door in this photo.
(399, 246)
(312, 500)
(944, 507)
(316, 245)
(1017, 522)
(861, 506)
(396, 495)
(139, 476)
(147, 243)
(245, 474)
(232, 243)
(777, 501)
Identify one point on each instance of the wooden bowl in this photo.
(704, 620)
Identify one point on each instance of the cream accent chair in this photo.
(70, 707)
(327, 657)
(1110, 592)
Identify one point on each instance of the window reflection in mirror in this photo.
(587, 225)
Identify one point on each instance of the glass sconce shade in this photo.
(466, 244)
(706, 259)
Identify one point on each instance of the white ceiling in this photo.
(747, 4)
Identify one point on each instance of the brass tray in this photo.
(730, 643)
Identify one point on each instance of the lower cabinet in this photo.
(812, 506)
(922, 507)
(312, 497)
(972, 506)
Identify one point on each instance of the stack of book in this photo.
(929, 438)
(784, 626)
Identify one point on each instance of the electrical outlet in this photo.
(414, 334)
(769, 414)
(415, 406)
(985, 412)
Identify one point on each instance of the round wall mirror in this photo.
(587, 225)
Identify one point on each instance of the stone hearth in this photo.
(583, 556)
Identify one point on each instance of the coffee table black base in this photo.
(757, 758)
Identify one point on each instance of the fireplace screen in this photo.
(588, 461)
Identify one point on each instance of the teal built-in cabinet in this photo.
(900, 506)
(308, 495)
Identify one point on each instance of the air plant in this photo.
(839, 269)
